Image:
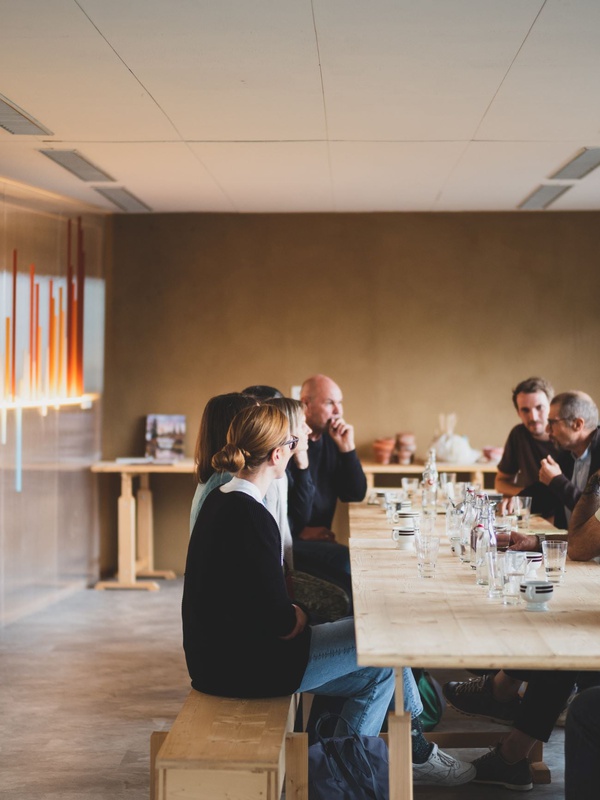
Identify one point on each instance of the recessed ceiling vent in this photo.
(122, 198)
(580, 166)
(78, 165)
(543, 196)
(15, 120)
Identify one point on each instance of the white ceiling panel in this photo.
(277, 177)
(427, 73)
(552, 92)
(390, 176)
(223, 71)
(305, 105)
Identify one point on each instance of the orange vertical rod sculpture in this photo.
(51, 340)
(61, 341)
(7, 360)
(31, 327)
(38, 342)
(80, 291)
(13, 364)
(73, 390)
(69, 326)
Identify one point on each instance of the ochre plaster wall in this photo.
(412, 314)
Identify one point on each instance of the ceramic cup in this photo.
(405, 519)
(405, 540)
(536, 594)
(534, 562)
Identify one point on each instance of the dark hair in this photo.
(262, 392)
(530, 386)
(212, 435)
(577, 405)
(253, 434)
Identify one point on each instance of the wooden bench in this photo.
(231, 748)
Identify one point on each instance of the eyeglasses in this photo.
(551, 422)
(293, 443)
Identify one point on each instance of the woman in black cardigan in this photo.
(243, 636)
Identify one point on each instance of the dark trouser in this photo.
(582, 747)
(546, 696)
(327, 560)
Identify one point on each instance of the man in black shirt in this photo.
(529, 442)
(333, 473)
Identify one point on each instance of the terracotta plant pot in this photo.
(383, 449)
(406, 445)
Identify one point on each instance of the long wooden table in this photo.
(448, 621)
(136, 522)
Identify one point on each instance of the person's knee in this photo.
(584, 712)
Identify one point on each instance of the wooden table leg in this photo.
(477, 476)
(145, 534)
(400, 746)
(126, 576)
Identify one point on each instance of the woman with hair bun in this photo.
(243, 636)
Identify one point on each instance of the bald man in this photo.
(334, 473)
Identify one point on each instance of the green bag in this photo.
(431, 697)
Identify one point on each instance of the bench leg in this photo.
(156, 740)
(296, 766)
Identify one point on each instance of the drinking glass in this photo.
(522, 508)
(502, 527)
(555, 556)
(427, 548)
(515, 564)
(410, 486)
(453, 520)
(495, 568)
(427, 522)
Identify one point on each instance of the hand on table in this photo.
(316, 534)
(523, 541)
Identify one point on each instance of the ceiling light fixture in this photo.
(122, 198)
(77, 164)
(14, 120)
(543, 196)
(579, 166)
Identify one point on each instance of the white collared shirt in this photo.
(241, 485)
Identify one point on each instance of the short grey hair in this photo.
(574, 405)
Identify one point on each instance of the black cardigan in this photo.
(235, 604)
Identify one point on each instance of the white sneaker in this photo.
(442, 770)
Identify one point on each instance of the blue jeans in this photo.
(332, 670)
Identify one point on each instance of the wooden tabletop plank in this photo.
(448, 621)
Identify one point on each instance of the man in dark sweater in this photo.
(573, 427)
(333, 473)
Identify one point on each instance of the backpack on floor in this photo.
(431, 697)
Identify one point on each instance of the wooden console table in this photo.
(476, 472)
(136, 524)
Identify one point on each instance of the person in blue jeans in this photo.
(242, 635)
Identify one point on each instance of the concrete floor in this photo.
(86, 681)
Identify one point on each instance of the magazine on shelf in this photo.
(165, 437)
